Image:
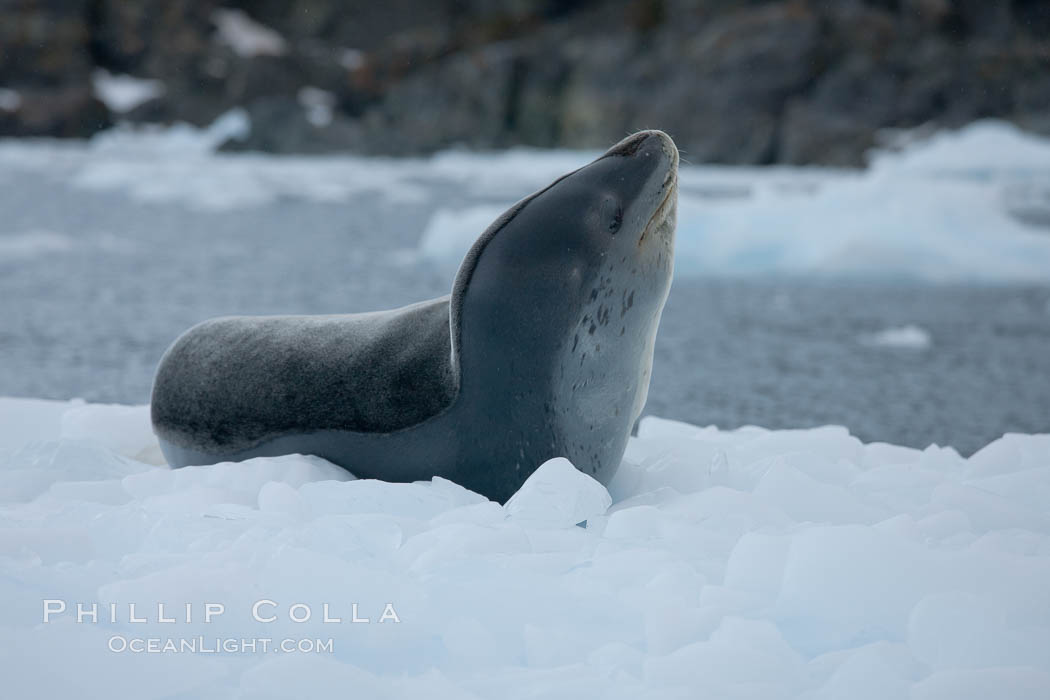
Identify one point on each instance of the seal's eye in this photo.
(616, 221)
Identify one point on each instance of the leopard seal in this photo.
(543, 349)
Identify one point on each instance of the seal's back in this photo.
(231, 383)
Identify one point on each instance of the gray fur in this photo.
(543, 349)
(253, 378)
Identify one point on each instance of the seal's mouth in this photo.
(667, 205)
(669, 186)
(664, 211)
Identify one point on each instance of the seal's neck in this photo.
(507, 354)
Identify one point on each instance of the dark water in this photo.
(91, 318)
(789, 355)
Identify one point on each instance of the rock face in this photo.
(45, 69)
(734, 81)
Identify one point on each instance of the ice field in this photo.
(741, 564)
(948, 206)
(953, 207)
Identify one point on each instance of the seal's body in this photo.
(543, 349)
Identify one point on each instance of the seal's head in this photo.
(565, 290)
(616, 213)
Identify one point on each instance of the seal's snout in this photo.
(651, 156)
(649, 143)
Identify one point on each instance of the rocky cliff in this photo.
(734, 81)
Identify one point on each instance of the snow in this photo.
(32, 244)
(246, 36)
(933, 212)
(951, 208)
(10, 100)
(123, 93)
(117, 151)
(982, 149)
(450, 233)
(965, 206)
(745, 563)
(907, 336)
(351, 59)
(318, 105)
(558, 495)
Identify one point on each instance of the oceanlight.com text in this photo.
(218, 645)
